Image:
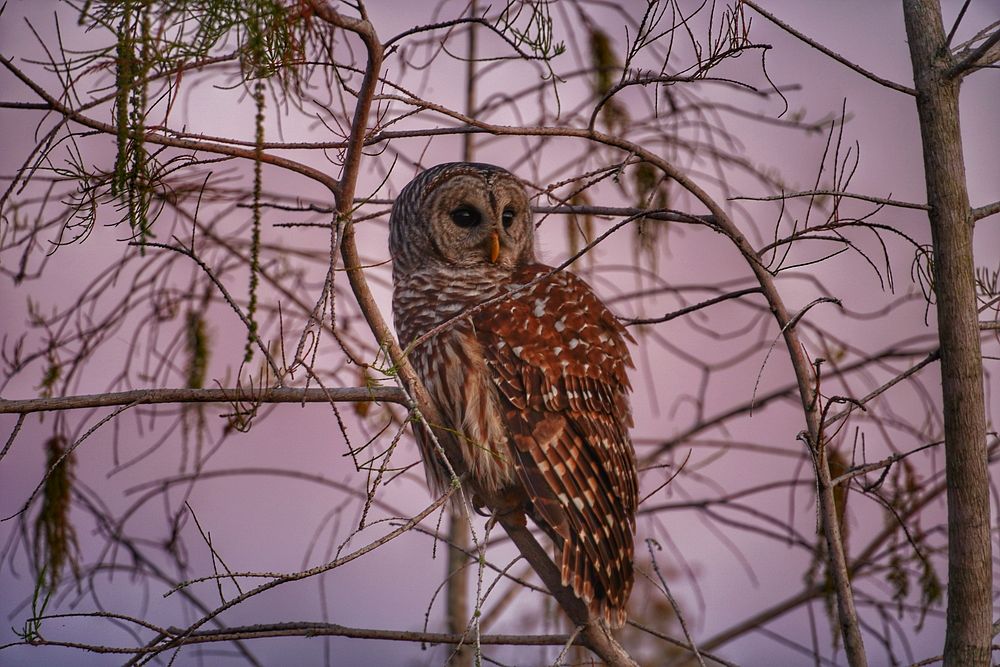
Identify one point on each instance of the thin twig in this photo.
(673, 603)
(834, 193)
(822, 49)
(969, 60)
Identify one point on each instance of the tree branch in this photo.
(822, 49)
(633, 321)
(834, 193)
(981, 56)
(309, 629)
(860, 563)
(162, 140)
(985, 211)
(595, 634)
(220, 395)
(179, 638)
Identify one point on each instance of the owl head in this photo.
(462, 215)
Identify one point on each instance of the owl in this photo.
(529, 373)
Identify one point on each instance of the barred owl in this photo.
(532, 385)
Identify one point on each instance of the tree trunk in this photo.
(458, 526)
(970, 578)
(458, 582)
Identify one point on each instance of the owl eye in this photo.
(508, 217)
(466, 216)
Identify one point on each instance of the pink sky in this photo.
(265, 524)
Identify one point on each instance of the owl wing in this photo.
(558, 359)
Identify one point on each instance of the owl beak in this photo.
(493, 244)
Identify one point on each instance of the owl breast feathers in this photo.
(529, 372)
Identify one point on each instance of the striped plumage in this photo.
(533, 384)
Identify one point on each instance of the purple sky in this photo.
(261, 523)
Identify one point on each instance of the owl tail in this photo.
(579, 572)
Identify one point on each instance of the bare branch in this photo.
(885, 463)
(833, 193)
(632, 321)
(933, 356)
(836, 56)
(220, 395)
(163, 140)
(180, 637)
(595, 634)
(987, 53)
(985, 211)
(310, 629)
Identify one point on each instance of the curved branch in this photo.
(836, 56)
(858, 565)
(595, 633)
(181, 636)
(799, 359)
(162, 140)
(983, 55)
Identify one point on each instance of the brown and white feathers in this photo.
(533, 384)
